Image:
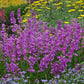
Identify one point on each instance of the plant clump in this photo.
(37, 49)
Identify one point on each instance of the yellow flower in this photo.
(71, 10)
(82, 3)
(80, 10)
(82, 6)
(32, 4)
(48, 8)
(33, 8)
(78, 2)
(28, 15)
(73, 4)
(0, 1)
(76, 7)
(28, 11)
(79, 17)
(58, 7)
(6, 3)
(41, 0)
(68, 5)
(68, 1)
(60, 3)
(38, 4)
(44, 3)
(38, 9)
(50, 34)
(82, 15)
(26, 8)
(51, 0)
(25, 20)
(36, 16)
(66, 22)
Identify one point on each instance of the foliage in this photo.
(40, 51)
(14, 9)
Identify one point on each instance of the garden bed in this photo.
(46, 46)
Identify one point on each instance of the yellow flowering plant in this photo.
(7, 3)
(66, 22)
(68, 6)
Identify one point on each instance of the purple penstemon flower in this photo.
(18, 14)
(31, 70)
(34, 40)
(13, 20)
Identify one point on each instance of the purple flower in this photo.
(9, 79)
(23, 76)
(36, 45)
(65, 81)
(59, 25)
(36, 80)
(32, 13)
(12, 82)
(57, 76)
(55, 82)
(43, 80)
(67, 74)
(31, 70)
(13, 20)
(16, 78)
(82, 69)
(75, 54)
(63, 71)
(23, 72)
(27, 76)
(25, 80)
(18, 14)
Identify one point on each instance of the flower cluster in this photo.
(18, 14)
(8, 3)
(36, 44)
(70, 77)
(15, 80)
(13, 20)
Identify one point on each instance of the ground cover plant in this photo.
(38, 53)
